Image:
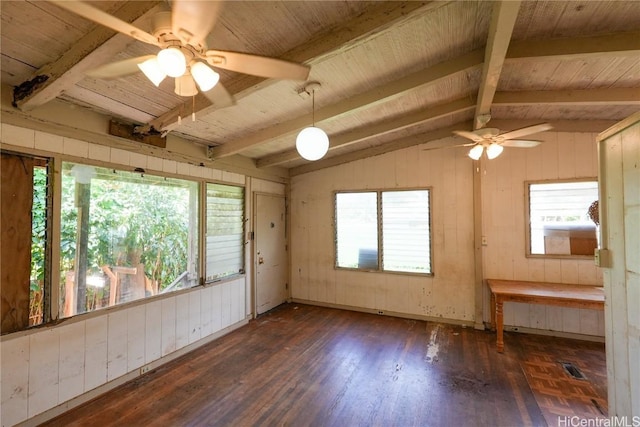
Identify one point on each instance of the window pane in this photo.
(225, 230)
(38, 243)
(405, 231)
(559, 219)
(357, 230)
(124, 236)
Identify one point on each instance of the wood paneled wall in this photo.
(620, 210)
(560, 156)
(46, 367)
(448, 294)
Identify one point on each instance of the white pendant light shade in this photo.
(476, 152)
(172, 62)
(312, 143)
(494, 151)
(186, 86)
(152, 70)
(204, 76)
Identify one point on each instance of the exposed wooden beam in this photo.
(620, 44)
(430, 137)
(618, 96)
(378, 20)
(502, 21)
(440, 72)
(611, 96)
(95, 48)
(378, 129)
(580, 126)
(352, 105)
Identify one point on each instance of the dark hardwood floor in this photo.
(302, 365)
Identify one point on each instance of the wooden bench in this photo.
(559, 294)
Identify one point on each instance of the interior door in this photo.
(271, 261)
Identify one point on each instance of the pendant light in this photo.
(312, 142)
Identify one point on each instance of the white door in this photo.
(271, 261)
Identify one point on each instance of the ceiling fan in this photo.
(181, 34)
(493, 142)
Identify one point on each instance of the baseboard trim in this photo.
(550, 333)
(100, 390)
(465, 323)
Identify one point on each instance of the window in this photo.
(384, 230)
(24, 243)
(559, 222)
(224, 231)
(124, 236)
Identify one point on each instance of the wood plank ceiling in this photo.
(393, 74)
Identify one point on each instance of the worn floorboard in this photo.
(300, 365)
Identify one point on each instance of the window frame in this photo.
(379, 227)
(203, 236)
(527, 218)
(56, 303)
(52, 308)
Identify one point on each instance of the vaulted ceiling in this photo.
(392, 74)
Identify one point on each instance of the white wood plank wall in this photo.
(620, 157)
(46, 367)
(448, 294)
(560, 156)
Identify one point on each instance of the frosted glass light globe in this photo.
(172, 62)
(312, 143)
(494, 151)
(476, 152)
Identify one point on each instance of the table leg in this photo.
(499, 326)
(493, 311)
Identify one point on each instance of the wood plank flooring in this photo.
(300, 365)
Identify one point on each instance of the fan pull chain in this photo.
(193, 108)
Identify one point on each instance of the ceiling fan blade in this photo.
(448, 146)
(122, 68)
(469, 135)
(103, 18)
(256, 65)
(521, 143)
(192, 21)
(515, 134)
(220, 97)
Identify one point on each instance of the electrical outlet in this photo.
(145, 369)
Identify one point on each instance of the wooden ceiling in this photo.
(393, 74)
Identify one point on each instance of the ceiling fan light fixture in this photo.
(185, 85)
(172, 62)
(152, 70)
(312, 143)
(205, 77)
(494, 150)
(476, 152)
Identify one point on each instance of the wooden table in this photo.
(559, 294)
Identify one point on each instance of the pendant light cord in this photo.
(313, 108)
